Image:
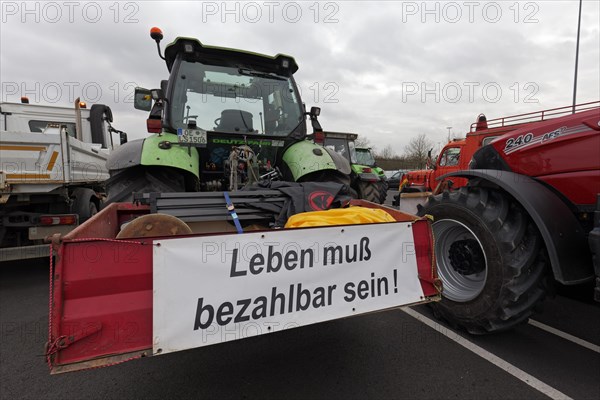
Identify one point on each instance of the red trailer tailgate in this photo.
(115, 300)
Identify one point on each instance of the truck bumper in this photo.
(42, 232)
(24, 252)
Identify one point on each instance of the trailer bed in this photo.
(120, 299)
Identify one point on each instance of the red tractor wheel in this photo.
(490, 257)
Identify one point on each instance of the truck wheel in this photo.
(93, 209)
(121, 186)
(84, 203)
(490, 258)
(370, 191)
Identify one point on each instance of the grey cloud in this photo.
(367, 55)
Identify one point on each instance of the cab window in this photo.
(40, 126)
(488, 140)
(450, 157)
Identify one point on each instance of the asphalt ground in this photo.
(383, 355)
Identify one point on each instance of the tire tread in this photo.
(524, 275)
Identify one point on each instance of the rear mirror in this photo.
(313, 114)
(157, 94)
(122, 137)
(142, 99)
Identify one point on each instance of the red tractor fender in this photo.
(563, 235)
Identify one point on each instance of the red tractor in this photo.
(528, 214)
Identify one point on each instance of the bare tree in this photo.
(387, 153)
(416, 150)
(363, 142)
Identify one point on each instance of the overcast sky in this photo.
(386, 70)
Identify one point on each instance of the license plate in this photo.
(192, 137)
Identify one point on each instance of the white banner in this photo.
(214, 289)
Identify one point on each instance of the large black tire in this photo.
(327, 175)
(370, 191)
(85, 203)
(490, 257)
(121, 186)
(383, 191)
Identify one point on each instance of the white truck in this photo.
(52, 166)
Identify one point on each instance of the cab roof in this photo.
(193, 49)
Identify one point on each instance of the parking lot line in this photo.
(565, 335)
(497, 361)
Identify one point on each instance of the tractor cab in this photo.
(365, 157)
(224, 119)
(367, 179)
(231, 91)
(218, 98)
(342, 144)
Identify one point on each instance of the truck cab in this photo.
(52, 169)
(449, 160)
(455, 156)
(34, 118)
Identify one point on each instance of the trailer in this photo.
(115, 297)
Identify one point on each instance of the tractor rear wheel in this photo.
(371, 191)
(328, 175)
(383, 191)
(121, 186)
(490, 258)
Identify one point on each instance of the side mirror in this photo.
(122, 137)
(142, 99)
(157, 94)
(313, 114)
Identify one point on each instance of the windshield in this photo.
(234, 100)
(450, 157)
(364, 157)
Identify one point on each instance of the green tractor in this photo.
(367, 179)
(364, 157)
(225, 118)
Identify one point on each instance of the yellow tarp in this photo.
(339, 216)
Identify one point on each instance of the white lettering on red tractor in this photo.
(522, 141)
